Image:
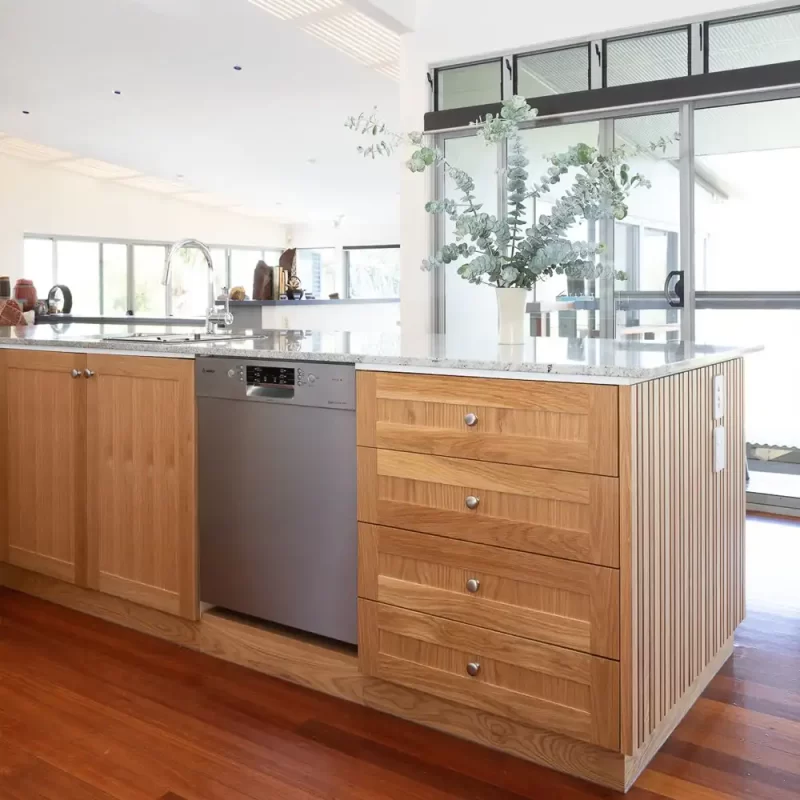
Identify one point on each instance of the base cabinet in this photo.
(45, 463)
(100, 473)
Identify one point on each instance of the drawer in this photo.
(537, 684)
(565, 426)
(559, 602)
(561, 514)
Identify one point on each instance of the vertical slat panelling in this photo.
(687, 537)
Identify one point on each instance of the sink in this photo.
(179, 338)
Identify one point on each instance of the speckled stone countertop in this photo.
(551, 358)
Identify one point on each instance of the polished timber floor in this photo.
(89, 710)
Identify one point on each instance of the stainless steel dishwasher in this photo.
(277, 492)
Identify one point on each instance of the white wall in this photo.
(47, 200)
(327, 234)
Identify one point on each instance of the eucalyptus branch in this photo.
(499, 252)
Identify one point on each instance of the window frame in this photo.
(576, 46)
(346, 250)
(101, 241)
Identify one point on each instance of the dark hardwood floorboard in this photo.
(91, 711)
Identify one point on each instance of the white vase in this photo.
(511, 315)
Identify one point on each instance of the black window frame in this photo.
(438, 70)
(710, 23)
(645, 35)
(577, 46)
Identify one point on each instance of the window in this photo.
(320, 271)
(78, 266)
(189, 281)
(111, 278)
(754, 41)
(115, 278)
(553, 72)
(470, 85)
(373, 272)
(654, 57)
(149, 295)
(38, 264)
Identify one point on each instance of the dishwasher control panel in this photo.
(305, 383)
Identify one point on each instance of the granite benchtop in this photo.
(581, 360)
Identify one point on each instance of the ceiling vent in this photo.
(20, 148)
(98, 169)
(358, 36)
(291, 9)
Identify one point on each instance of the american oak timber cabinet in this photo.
(552, 569)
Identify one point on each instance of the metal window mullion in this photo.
(55, 260)
(101, 276)
(346, 274)
(130, 281)
(687, 222)
(607, 301)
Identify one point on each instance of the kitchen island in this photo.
(551, 536)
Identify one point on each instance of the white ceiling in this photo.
(268, 137)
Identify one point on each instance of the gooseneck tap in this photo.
(213, 316)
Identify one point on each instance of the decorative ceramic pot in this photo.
(511, 315)
(25, 294)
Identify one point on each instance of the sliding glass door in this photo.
(747, 169)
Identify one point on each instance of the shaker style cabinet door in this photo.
(43, 408)
(141, 481)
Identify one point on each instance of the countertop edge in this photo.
(620, 376)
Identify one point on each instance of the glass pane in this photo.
(470, 310)
(772, 424)
(474, 85)
(38, 264)
(748, 167)
(190, 281)
(243, 265)
(647, 58)
(115, 279)
(374, 273)
(78, 267)
(554, 72)
(647, 241)
(771, 39)
(321, 271)
(148, 269)
(566, 307)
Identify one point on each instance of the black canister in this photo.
(5, 287)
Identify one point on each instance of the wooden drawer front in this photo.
(560, 602)
(562, 514)
(560, 690)
(534, 423)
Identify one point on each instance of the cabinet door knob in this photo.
(88, 373)
(472, 501)
(76, 373)
(473, 584)
(471, 419)
(473, 668)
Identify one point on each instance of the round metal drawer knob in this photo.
(471, 419)
(473, 584)
(76, 373)
(472, 501)
(473, 668)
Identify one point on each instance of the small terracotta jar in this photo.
(25, 294)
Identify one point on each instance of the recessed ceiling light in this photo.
(179, 176)
(312, 160)
(290, 9)
(93, 168)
